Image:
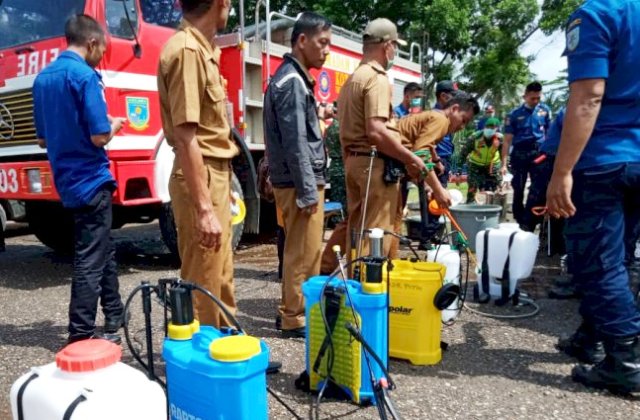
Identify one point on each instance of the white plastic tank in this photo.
(450, 258)
(87, 382)
(522, 256)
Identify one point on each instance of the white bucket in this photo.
(104, 391)
(450, 258)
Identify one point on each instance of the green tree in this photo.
(475, 41)
(555, 14)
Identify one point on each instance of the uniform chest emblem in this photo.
(138, 113)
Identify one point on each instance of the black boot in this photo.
(619, 372)
(583, 345)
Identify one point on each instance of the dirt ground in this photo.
(493, 369)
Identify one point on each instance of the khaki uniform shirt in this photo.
(424, 130)
(366, 94)
(191, 90)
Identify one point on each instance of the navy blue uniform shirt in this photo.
(528, 126)
(401, 111)
(552, 141)
(445, 148)
(70, 107)
(603, 42)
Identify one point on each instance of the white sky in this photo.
(547, 51)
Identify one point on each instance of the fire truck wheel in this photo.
(3, 217)
(52, 224)
(168, 224)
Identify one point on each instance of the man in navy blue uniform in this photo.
(445, 91)
(596, 183)
(537, 196)
(72, 122)
(411, 102)
(525, 129)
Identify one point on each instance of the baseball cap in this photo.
(446, 86)
(381, 30)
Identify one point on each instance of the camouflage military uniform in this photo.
(483, 163)
(335, 173)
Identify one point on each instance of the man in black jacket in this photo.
(297, 162)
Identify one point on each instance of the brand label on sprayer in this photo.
(179, 414)
(400, 310)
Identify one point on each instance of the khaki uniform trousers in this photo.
(211, 270)
(383, 200)
(302, 251)
(339, 237)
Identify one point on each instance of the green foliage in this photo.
(555, 14)
(474, 41)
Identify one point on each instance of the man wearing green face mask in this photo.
(412, 101)
(483, 159)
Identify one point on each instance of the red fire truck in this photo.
(32, 36)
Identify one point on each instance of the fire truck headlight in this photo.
(35, 184)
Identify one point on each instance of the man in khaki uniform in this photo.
(426, 129)
(194, 120)
(364, 110)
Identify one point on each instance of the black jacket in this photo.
(292, 133)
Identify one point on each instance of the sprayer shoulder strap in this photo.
(333, 301)
(485, 262)
(506, 274)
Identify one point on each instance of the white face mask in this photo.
(489, 132)
(390, 61)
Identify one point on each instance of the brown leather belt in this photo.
(362, 154)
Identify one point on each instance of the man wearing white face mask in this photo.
(483, 159)
(365, 115)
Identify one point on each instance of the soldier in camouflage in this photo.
(482, 152)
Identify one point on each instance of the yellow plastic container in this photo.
(414, 322)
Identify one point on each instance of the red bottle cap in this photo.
(88, 355)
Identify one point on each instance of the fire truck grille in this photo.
(16, 118)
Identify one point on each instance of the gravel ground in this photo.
(493, 369)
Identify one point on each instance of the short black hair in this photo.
(465, 101)
(196, 7)
(412, 87)
(79, 29)
(309, 23)
(533, 87)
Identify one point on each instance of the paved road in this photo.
(492, 370)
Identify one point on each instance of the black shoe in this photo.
(583, 346)
(619, 372)
(114, 338)
(111, 326)
(563, 292)
(273, 367)
(278, 323)
(295, 333)
(425, 246)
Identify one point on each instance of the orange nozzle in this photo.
(435, 209)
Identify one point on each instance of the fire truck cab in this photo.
(32, 36)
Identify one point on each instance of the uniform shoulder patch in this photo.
(573, 23)
(573, 38)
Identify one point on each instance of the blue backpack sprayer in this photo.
(347, 344)
(211, 373)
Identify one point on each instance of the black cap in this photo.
(446, 86)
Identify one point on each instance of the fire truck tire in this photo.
(3, 217)
(168, 224)
(52, 224)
